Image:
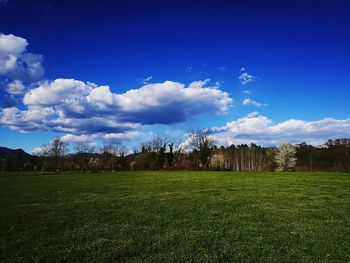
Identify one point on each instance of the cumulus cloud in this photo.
(34, 118)
(78, 108)
(245, 78)
(250, 102)
(261, 130)
(158, 103)
(11, 47)
(15, 62)
(57, 92)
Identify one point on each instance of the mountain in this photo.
(17, 154)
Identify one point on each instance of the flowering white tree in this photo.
(285, 157)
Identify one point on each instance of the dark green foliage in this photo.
(175, 217)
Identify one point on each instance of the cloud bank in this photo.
(260, 129)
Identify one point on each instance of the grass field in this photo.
(175, 216)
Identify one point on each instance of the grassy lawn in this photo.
(175, 216)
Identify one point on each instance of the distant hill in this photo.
(17, 154)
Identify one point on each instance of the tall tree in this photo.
(202, 144)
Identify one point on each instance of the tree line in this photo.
(162, 153)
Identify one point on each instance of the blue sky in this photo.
(292, 56)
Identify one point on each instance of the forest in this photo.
(161, 153)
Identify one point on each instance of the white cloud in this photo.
(38, 151)
(34, 118)
(116, 137)
(78, 108)
(146, 80)
(16, 87)
(250, 102)
(245, 78)
(11, 115)
(199, 84)
(110, 137)
(261, 130)
(84, 138)
(16, 62)
(56, 92)
(12, 45)
(246, 91)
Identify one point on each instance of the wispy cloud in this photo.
(110, 137)
(250, 102)
(244, 77)
(146, 80)
(188, 69)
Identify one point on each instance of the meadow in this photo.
(175, 216)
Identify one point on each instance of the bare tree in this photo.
(43, 153)
(84, 147)
(58, 149)
(121, 150)
(202, 144)
(176, 156)
(109, 157)
(52, 154)
(158, 143)
(83, 155)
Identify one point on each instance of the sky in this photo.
(122, 71)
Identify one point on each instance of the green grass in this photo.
(175, 216)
